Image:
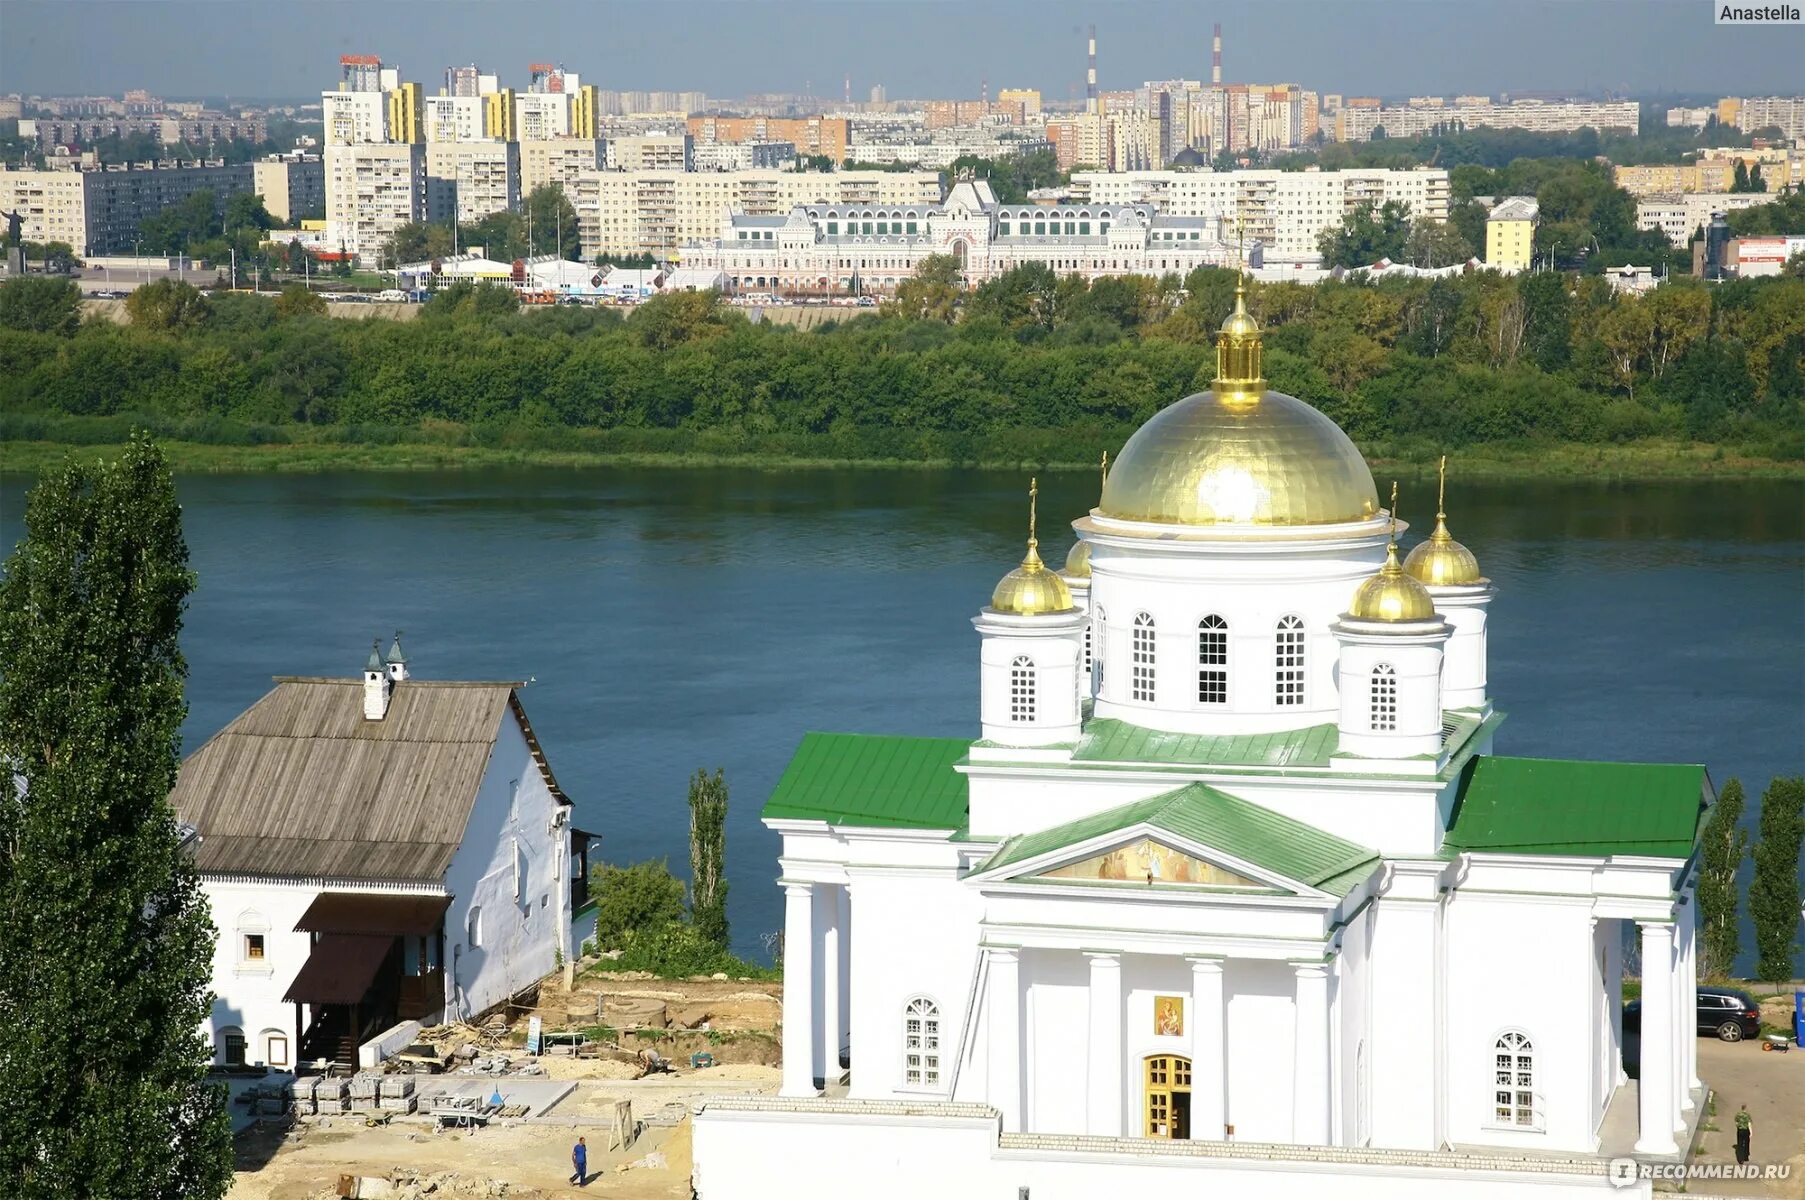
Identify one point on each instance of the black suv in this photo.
(1728, 1013)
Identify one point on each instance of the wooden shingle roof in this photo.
(301, 785)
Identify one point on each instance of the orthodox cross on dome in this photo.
(1441, 490)
(1033, 494)
(1394, 513)
(1103, 470)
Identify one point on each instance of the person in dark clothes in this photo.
(1744, 1125)
(579, 1159)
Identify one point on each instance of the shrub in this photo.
(639, 897)
(675, 950)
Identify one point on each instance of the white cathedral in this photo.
(1230, 895)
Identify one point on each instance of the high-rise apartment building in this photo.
(97, 210)
(1362, 116)
(372, 189)
(462, 81)
(1749, 113)
(810, 135)
(557, 161)
(471, 179)
(292, 185)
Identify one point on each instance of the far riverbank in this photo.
(312, 452)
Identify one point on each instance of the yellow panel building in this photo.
(1510, 233)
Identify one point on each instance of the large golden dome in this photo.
(1265, 460)
(1239, 454)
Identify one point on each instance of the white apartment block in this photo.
(371, 191)
(655, 212)
(557, 160)
(1679, 216)
(748, 156)
(354, 118)
(1689, 118)
(471, 179)
(821, 249)
(452, 118)
(52, 205)
(1356, 123)
(98, 210)
(1759, 112)
(540, 115)
(1285, 211)
(651, 152)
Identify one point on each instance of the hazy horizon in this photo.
(265, 50)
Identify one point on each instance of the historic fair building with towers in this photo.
(1230, 894)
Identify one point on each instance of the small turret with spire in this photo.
(377, 684)
(396, 660)
(1238, 366)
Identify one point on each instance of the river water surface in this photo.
(674, 619)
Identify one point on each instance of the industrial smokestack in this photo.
(846, 94)
(984, 93)
(1216, 56)
(1090, 77)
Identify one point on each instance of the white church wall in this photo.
(1552, 1005)
(1351, 998)
(895, 957)
(1145, 978)
(247, 993)
(902, 1156)
(510, 867)
(1390, 816)
(1055, 1057)
(1025, 802)
(1262, 1025)
(1406, 1015)
(1120, 916)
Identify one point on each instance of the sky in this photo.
(288, 49)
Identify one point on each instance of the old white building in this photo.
(375, 851)
(872, 248)
(1230, 895)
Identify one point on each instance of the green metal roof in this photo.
(1594, 809)
(1109, 740)
(863, 779)
(1201, 814)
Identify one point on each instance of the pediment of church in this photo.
(1146, 861)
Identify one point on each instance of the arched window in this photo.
(1288, 663)
(1384, 699)
(475, 939)
(1513, 1081)
(231, 1046)
(921, 1043)
(1142, 680)
(1021, 689)
(1212, 660)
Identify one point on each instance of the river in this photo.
(675, 619)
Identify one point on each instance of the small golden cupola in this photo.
(1032, 590)
(1440, 561)
(1238, 366)
(1392, 595)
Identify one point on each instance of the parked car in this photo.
(1726, 1013)
(391, 296)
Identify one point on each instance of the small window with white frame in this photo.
(1384, 698)
(1288, 663)
(1142, 679)
(1513, 1081)
(921, 1044)
(1021, 690)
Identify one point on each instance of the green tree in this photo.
(707, 855)
(167, 306)
(931, 294)
(628, 900)
(1774, 891)
(1367, 235)
(1722, 848)
(38, 305)
(551, 223)
(106, 950)
(1435, 243)
(297, 301)
(1741, 182)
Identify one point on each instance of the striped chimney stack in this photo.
(1216, 55)
(1090, 76)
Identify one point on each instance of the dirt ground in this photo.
(526, 1161)
(1773, 1086)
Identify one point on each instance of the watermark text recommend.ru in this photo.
(1625, 1171)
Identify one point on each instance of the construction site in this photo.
(494, 1107)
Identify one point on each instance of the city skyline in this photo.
(791, 46)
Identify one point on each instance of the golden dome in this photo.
(1210, 459)
(1441, 561)
(1031, 590)
(1391, 595)
(1078, 561)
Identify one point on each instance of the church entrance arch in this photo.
(1167, 1103)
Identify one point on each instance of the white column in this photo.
(1689, 1008)
(843, 901)
(1310, 1071)
(1209, 1058)
(1655, 1088)
(1105, 1076)
(833, 936)
(1006, 1037)
(799, 990)
(1680, 1026)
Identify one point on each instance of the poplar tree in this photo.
(707, 855)
(1774, 893)
(105, 944)
(1722, 849)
